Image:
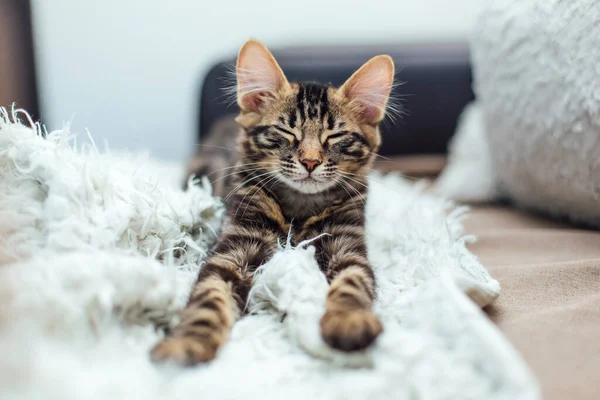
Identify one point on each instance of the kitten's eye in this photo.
(285, 132)
(337, 135)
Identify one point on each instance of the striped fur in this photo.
(304, 151)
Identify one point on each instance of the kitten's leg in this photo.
(219, 297)
(205, 324)
(348, 323)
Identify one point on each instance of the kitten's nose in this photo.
(310, 165)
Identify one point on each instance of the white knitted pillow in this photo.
(537, 80)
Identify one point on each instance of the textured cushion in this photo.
(537, 83)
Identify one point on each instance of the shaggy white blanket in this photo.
(98, 248)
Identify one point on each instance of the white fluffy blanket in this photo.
(98, 248)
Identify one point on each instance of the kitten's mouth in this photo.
(308, 179)
(309, 184)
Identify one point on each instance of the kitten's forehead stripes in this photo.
(330, 121)
(292, 118)
(312, 102)
(300, 103)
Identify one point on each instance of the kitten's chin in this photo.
(309, 186)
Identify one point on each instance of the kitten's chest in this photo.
(307, 220)
(301, 207)
(303, 216)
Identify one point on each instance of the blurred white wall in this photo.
(128, 70)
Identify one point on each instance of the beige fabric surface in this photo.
(549, 307)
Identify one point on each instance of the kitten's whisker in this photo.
(357, 182)
(276, 181)
(353, 174)
(237, 172)
(269, 179)
(212, 145)
(366, 177)
(239, 166)
(247, 193)
(345, 175)
(380, 156)
(339, 182)
(238, 187)
(395, 172)
(363, 199)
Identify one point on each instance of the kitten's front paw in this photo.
(183, 351)
(350, 330)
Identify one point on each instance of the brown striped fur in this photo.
(305, 149)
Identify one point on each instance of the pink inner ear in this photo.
(258, 75)
(370, 88)
(372, 94)
(254, 101)
(371, 114)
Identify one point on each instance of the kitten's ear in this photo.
(369, 88)
(259, 77)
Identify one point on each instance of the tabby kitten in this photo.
(305, 151)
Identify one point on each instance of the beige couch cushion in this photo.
(549, 307)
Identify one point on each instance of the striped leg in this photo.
(204, 327)
(218, 299)
(348, 323)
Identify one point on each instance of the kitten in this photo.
(305, 151)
